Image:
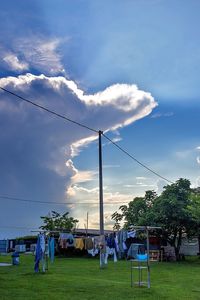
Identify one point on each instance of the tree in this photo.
(194, 208)
(137, 212)
(56, 221)
(170, 211)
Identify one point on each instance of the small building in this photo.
(4, 244)
(189, 246)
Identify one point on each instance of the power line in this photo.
(17, 227)
(48, 110)
(58, 203)
(139, 162)
(89, 128)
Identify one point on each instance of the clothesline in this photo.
(120, 244)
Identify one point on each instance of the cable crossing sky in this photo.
(87, 127)
(53, 202)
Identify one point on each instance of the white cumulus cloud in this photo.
(14, 63)
(41, 53)
(33, 52)
(47, 145)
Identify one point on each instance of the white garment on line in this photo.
(93, 252)
(131, 233)
(42, 242)
(116, 244)
(124, 246)
(110, 251)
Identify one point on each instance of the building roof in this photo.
(91, 231)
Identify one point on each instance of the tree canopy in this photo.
(173, 210)
(56, 221)
(194, 209)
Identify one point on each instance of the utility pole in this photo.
(87, 224)
(148, 258)
(101, 216)
(100, 187)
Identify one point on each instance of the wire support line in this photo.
(57, 203)
(89, 128)
(18, 227)
(136, 160)
(49, 110)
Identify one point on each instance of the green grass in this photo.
(81, 278)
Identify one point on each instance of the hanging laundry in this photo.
(110, 240)
(89, 245)
(116, 244)
(110, 251)
(42, 242)
(135, 249)
(79, 243)
(66, 240)
(94, 251)
(51, 243)
(100, 243)
(131, 234)
(40, 253)
(70, 240)
(63, 240)
(122, 236)
(124, 246)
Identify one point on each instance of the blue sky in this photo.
(130, 68)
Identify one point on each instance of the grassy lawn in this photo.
(81, 278)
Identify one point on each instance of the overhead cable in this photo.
(139, 162)
(58, 203)
(17, 227)
(89, 128)
(48, 110)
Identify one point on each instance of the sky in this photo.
(127, 67)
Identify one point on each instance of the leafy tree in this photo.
(137, 212)
(56, 221)
(170, 211)
(194, 208)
